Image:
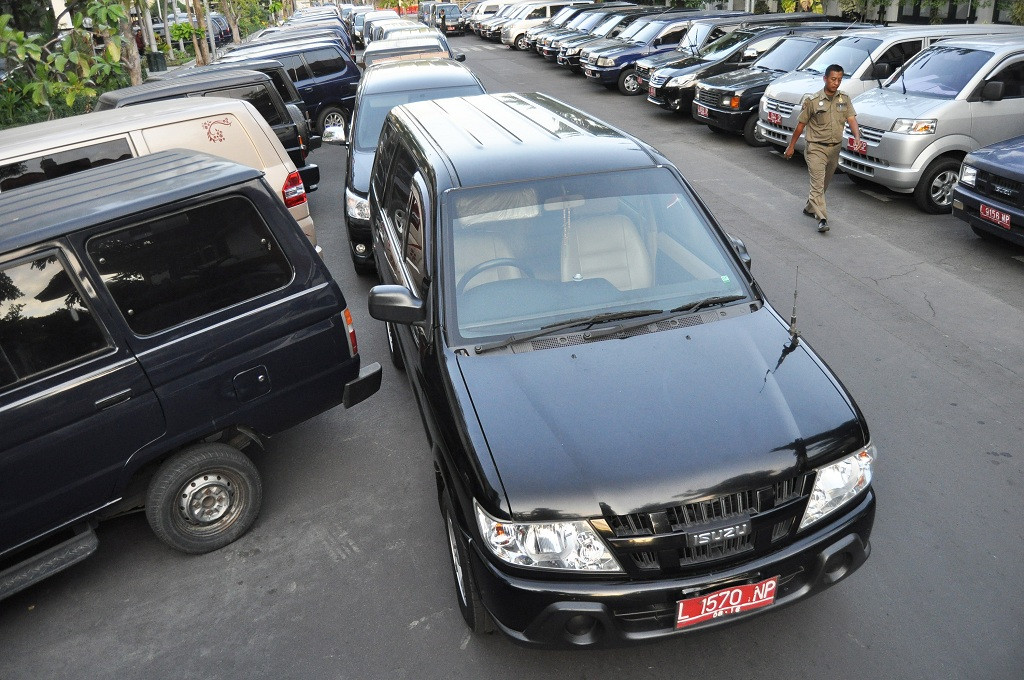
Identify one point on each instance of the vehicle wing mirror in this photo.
(396, 304)
(459, 56)
(741, 250)
(993, 91)
(750, 53)
(881, 71)
(334, 134)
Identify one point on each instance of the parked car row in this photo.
(925, 95)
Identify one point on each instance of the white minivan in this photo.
(868, 57)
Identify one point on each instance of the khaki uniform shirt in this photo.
(824, 117)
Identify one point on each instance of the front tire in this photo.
(521, 43)
(203, 498)
(934, 193)
(629, 85)
(752, 134)
(466, 590)
(332, 116)
(393, 349)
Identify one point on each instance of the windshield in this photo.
(563, 16)
(531, 254)
(646, 34)
(634, 28)
(373, 109)
(450, 11)
(725, 45)
(592, 19)
(786, 55)
(606, 26)
(849, 52)
(694, 36)
(940, 72)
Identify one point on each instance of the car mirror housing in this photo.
(459, 56)
(741, 249)
(993, 91)
(396, 304)
(335, 134)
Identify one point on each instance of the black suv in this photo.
(628, 441)
(157, 316)
(989, 195)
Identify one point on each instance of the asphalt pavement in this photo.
(345, 573)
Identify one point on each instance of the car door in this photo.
(335, 76)
(992, 122)
(75, 403)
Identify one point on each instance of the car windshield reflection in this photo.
(533, 254)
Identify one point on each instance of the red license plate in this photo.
(775, 118)
(727, 601)
(588, 72)
(702, 110)
(995, 216)
(852, 145)
(652, 91)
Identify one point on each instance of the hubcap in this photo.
(334, 120)
(631, 84)
(942, 187)
(206, 499)
(456, 562)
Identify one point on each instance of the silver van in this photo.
(868, 56)
(951, 99)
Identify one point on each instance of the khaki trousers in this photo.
(822, 160)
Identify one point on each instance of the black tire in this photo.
(466, 590)
(203, 498)
(362, 267)
(393, 349)
(332, 116)
(520, 43)
(934, 193)
(753, 136)
(628, 83)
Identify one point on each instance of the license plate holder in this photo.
(775, 118)
(652, 91)
(726, 602)
(996, 217)
(702, 111)
(854, 147)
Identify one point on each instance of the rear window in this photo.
(44, 320)
(59, 163)
(166, 271)
(257, 95)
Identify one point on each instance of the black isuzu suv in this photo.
(628, 441)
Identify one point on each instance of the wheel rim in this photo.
(334, 119)
(521, 43)
(210, 501)
(456, 560)
(630, 83)
(942, 187)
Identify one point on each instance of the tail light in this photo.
(293, 191)
(302, 147)
(353, 346)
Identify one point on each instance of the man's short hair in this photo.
(833, 68)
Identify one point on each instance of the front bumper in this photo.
(777, 120)
(670, 98)
(359, 234)
(967, 207)
(732, 120)
(606, 75)
(893, 160)
(580, 613)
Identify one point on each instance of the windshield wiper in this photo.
(586, 321)
(687, 308)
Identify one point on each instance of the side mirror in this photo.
(993, 91)
(459, 56)
(334, 134)
(396, 304)
(881, 71)
(750, 53)
(741, 250)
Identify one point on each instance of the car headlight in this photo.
(968, 174)
(911, 126)
(567, 546)
(605, 61)
(572, 51)
(681, 81)
(356, 206)
(838, 483)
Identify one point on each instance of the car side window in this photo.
(59, 163)
(45, 322)
(899, 53)
(325, 62)
(179, 267)
(257, 95)
(672, 36)
(412, 251)
(396, 197)
(1012, 76)
(295, 67)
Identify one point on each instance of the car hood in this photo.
(795, 84)
(1004, 159)
(879, 107)
(742, 79)
(621, 426)
(359, 171)
(656, 61)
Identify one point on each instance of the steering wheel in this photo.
(460, 287)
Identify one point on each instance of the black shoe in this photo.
(809, 213)
(822, 226)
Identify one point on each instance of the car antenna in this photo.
(794, 334)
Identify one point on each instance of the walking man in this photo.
(823, 115)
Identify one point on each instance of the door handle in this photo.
(116, 398)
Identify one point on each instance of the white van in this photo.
(513, 33)
(229, 128)
(868, 57)
(949, 100)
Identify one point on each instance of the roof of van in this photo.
(413, 74)
(508, 137)
(59, 206)
(930, 30)
(986, 42)
(264, 49)
(26, 139)
(174, 87)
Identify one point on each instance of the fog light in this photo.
(958, 204)
(581, 624)
(360, 248)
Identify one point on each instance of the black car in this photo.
(385, 86)
(730, 101)
(989, 194)
(672, 86)
(158, 315)
(628, 441)
(253, 87)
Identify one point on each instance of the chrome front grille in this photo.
(709, 97)
(868, 134)
(779, 106)
(998, 188)
(658, 81)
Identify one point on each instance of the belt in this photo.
(824, 143)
